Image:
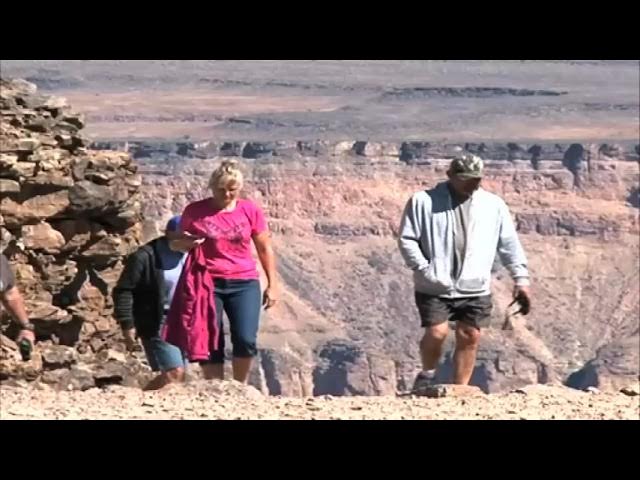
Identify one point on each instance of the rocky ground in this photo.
(229, 400)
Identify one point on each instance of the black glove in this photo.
(523, 302)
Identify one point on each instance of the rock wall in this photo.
(68, 216)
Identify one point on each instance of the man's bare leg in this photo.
(431, 345)
(464, 357)
(430, 352)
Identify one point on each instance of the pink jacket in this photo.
(191, 322)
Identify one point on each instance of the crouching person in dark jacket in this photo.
(142, 298)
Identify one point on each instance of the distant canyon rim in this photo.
(392, 100)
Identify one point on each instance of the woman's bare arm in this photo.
(183, 242)
(267, 258)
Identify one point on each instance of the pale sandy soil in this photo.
(228, 400)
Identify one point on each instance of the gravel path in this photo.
(228, 400)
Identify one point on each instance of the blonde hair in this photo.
(228, 170)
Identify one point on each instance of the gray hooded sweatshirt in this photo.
(427, 243)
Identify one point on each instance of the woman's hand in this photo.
(269, 298)
(183, 242)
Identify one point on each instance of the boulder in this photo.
(313, 149)
(27, 144)
(258, 149)
(69, 142)
(9, 186)
(341, 148)
(20, 170)
(77, 378)
(615, 367)
(12, 366)
(90, 198)
(6, 342)
(283, 372)
(109, 355)
(7, 160)
(106, 248)
(231, 149)
(346, 369)
(46, 181)
(76, 233)
(91, 297)
(42, 236)
(376, 149)
(58, 356)
(34, 209)
(110, 373)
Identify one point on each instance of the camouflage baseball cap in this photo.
(467, 166)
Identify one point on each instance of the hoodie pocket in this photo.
(473, 285)
(475, 277)
(436, 278)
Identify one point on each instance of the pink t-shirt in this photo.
(227, 247)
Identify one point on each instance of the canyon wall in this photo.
(348, 322)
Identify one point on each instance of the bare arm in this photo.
(183, 242)
(514, 259)
(267, 258)
(14, 303)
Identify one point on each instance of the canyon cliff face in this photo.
(347, 324)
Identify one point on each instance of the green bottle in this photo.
(25, 349)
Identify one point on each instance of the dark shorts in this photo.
(474, 311)
(241, 300)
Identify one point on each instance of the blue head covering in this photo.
(173, 224)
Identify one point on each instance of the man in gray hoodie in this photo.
(449, 237)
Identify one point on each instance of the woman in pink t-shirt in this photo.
(225, 226)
